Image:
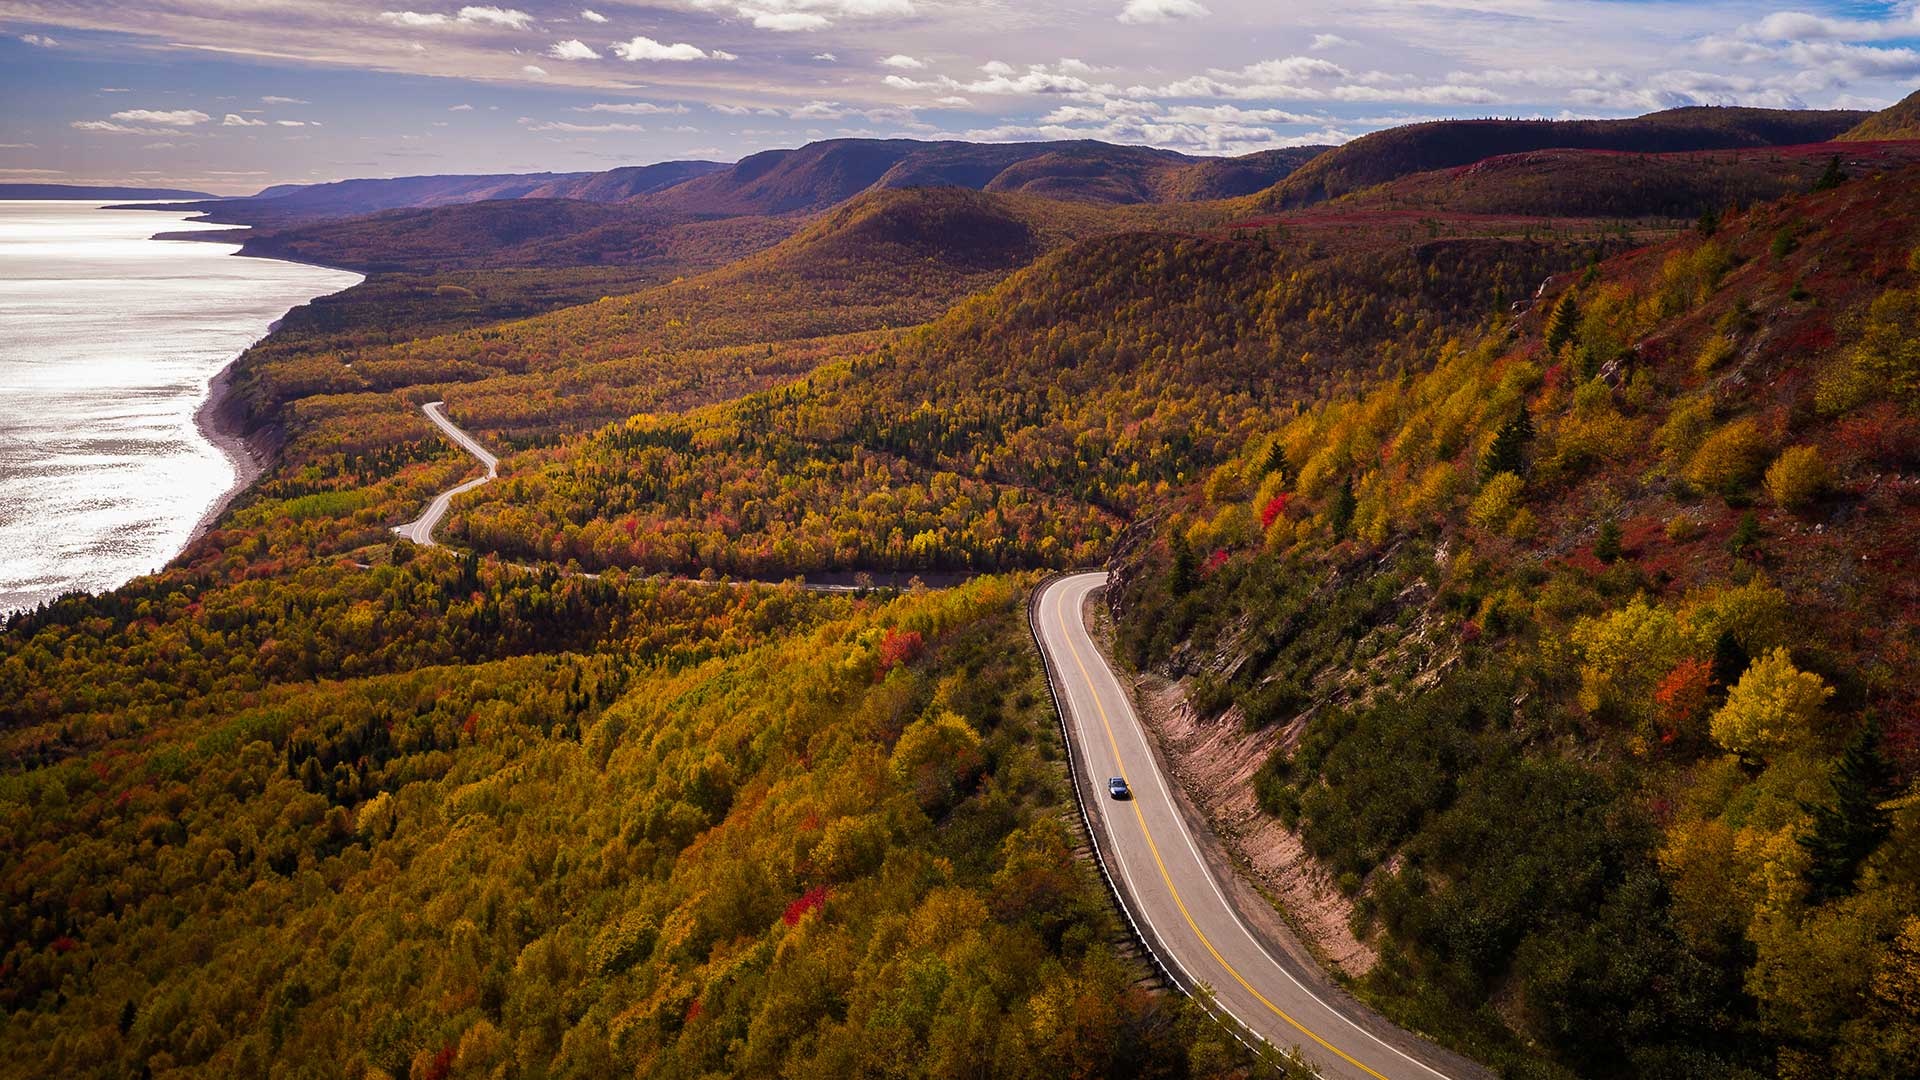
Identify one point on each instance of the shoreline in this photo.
(217, 423)
(215, 418)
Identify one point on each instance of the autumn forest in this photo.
(1544, 495)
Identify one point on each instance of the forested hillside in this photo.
(1025, 427)
(1595, 651)
(1900, 120)
(1556, 511)
(1443, 144)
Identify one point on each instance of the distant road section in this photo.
(420, 531)
(1171, 891)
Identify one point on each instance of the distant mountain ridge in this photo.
(1443, 144)
(802, 180)
(85, 191)
(823, 174)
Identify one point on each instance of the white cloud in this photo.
(801, 15)
(236, 120)
(1331, 41)
(1159, 11)
(415, 18)
(571, 49)
(108, 127)
(460, 108)
(903, 62)
(40, 40)
(169, 117)
(292, 123)
(493, 16)
(634, 108)
(827, 56)
(583, 129)
(272, 99)
(534, 71)
(645, 48)
(509, 18)
(1801, 26)
(593, 16)
(786, 21)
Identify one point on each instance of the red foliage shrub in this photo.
(64, 944)
(812, 900)
(1878, 437)
(1275, 509)
(898, 647)
(694, 1009)
(442, 1066)
(1469, 632)
(1682, 698)
(1216, 560)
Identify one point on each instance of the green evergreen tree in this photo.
(1847, 830)
(1832, 177)
(1184, 573)
(1745, 534)
(1340, 514)
(1730, 661)
(1508, 451)
(1606, 546)
(1563, 325)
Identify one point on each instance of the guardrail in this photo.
(1253, 1041)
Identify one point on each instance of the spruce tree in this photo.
(1846, 831)
(1565, 320)
(1508, 451)
(1833, 177)
(1183, 574)
(1340, 514)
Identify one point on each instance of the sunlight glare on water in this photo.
(107, 341)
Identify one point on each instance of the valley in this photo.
(1542, 495)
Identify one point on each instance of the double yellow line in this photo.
(1087, 678)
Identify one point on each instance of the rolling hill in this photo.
(81, 191)
(1616, 184)
(1898, 121)
(286, 204)
(1396, 152)
(520, 233)
(822, 174)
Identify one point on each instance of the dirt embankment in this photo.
(1214, 761)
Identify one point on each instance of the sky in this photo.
(230, 96)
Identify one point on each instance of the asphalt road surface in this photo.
(420, 530)
(1173, 893)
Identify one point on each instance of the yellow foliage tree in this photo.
(1728, 458)
(1796, 477)
(1771, 709)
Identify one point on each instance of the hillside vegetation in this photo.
(1900, 120)
(1596, 653)
(1444, 144)
(1567, 548)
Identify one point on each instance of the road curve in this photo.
(420, 530)
(1170, 890)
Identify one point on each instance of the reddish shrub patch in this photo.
(1275, 509)
(899, 647)
(812, 900)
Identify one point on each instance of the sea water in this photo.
(108, 340)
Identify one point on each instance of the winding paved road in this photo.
(1171, 891)
(420, 531)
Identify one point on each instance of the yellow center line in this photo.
(1087, 677)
